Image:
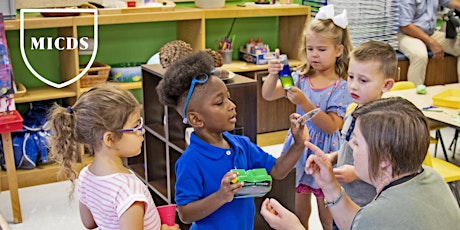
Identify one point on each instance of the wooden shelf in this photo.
(178, 14)
(37, 21)
(139, 169)
(48, 173)
(238, 66)
(122, 85)
(42, 93)
(234, 11)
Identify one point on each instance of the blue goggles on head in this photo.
(189, 95)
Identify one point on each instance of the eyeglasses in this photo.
(139, 129)
(189, 95)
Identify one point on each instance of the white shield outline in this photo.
(93, 55)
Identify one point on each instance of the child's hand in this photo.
(274, 67)
(345, 174)
(299, 130)
(166, 227)
(228, 189)
(296, 96)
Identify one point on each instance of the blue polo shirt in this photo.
(421, 13)
(200, 170)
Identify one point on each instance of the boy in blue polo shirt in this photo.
(204, 191)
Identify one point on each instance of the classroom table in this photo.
(445, 115)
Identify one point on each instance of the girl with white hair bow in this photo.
(319, 83)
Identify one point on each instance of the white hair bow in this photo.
(327, 12)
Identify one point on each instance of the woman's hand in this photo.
(320, 167)
(278, 217)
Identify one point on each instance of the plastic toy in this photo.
(306, 117)
(257, 182)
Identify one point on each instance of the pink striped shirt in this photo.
(108, 197)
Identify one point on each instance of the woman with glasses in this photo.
(107, 120)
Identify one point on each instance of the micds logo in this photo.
(61, 44)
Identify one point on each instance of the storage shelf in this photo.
(42, 93)
(48, 173)
(122, 85)
(238, 66)
(159, 189)
(178, 14)
(157, 130)
(178, 145)
(139, 169)
(159, 186)
(36, 21)
(234, 11)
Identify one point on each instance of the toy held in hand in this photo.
(308, 116)
(257, 182)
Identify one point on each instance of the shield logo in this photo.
(62, 44)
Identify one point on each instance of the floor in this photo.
(49, 207)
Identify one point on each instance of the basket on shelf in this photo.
(97, 74)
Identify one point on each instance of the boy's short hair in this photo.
(178, 77)
(395, 130)
(379, 52)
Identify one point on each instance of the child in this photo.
(108, 121)
(319, 84)
(204, 193)
(372, 67)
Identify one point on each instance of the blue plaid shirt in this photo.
(421, 13)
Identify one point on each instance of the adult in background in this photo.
(418, 34)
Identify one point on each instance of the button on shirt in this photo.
(421, 13)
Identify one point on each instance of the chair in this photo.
(351, 107)
(402, 85)
(448, 171)
(454, 143)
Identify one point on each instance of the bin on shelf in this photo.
(10, 121)
(97, 74)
